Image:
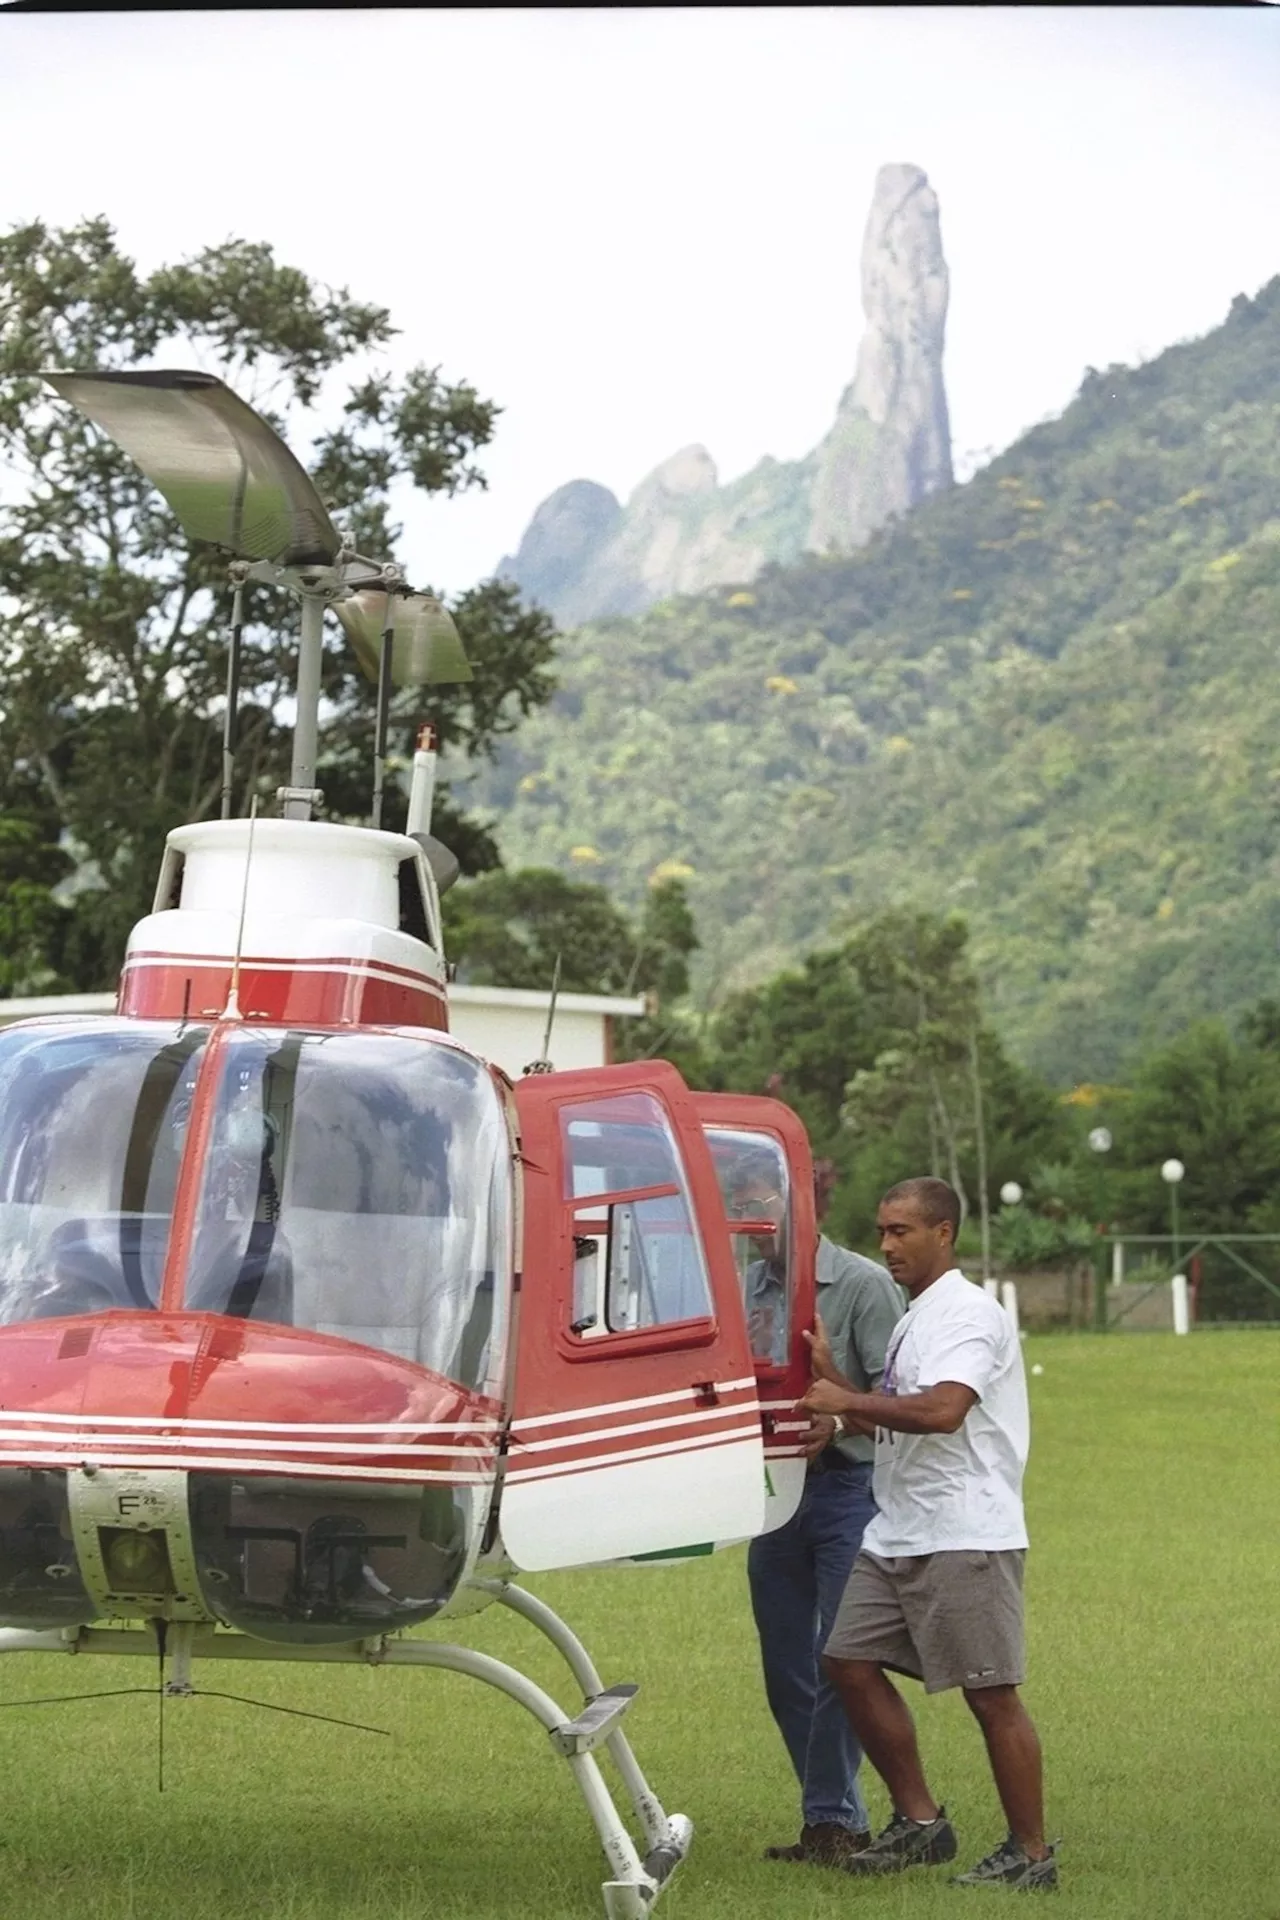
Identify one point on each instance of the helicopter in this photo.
(316, 1327)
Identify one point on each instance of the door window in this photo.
(638, 1260)
(754, 1182)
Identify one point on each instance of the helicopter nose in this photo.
(294, 1485)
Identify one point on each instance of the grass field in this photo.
(1153, 1595)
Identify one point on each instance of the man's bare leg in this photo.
(1013, 1748)
(879, 1716)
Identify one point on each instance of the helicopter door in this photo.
(635, 1424)
(764, 1169)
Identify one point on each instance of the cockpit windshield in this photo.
(355, 1184)
(93, 1120)
(358, 1184)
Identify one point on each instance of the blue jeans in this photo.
(797, 1576)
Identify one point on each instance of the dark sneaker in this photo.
(826, 1844)
(1009, 1866)
(906, 1843)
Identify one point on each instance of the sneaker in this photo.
(826, 1844)
(906, 1843)
(1011, 1867)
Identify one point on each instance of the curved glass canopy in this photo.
(355, 1184)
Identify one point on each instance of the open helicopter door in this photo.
(635, 1420)
(764, 1169)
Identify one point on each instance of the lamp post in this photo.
(1100, 1144)
(1171, 1173)
(1006, 1291)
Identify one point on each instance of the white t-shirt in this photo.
(954, 1492)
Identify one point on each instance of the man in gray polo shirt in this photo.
(798, 1572)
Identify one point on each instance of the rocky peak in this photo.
(569, 528)
(891, 441)
(890, 445)
(690, 471)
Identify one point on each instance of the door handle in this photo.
(705, 1393)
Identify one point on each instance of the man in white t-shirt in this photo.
(936, 1592)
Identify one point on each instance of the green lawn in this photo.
(1153, 1582)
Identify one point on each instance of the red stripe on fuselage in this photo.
(300, 994)
(254, 1396)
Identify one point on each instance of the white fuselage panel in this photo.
(616, 1510)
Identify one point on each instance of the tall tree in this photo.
(114, 644)
(1214, 1104)
(510, 929)
(880, 1046)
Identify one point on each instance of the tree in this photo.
(1214, 1105)
(880, 1047)
(1052, 1225)
(666, 943)
(30, 916)
(804, 1032)
(115, 630)
(925, 997)
(510, 928)
(865, 1030)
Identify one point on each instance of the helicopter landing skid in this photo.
(637, 1879)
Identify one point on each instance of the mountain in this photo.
(585, 555)
(1049, 697)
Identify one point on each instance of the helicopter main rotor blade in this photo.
(426, 648)
(228, 476)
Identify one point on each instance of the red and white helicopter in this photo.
(313, 1326)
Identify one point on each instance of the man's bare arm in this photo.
(939, 1409)
(825, 1368)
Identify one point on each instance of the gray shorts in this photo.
(949, 1619)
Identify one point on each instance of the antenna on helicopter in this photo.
(385, 646)
(401, 639)
(239, 572)
(232, 1009)
(543, 1063)
(443, 863)
(422, 785)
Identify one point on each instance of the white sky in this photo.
(638, 228)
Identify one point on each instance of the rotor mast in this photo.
(302, 793)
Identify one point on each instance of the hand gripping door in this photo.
(636, 1424)
(764, 1170)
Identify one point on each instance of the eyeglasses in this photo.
(754, 1206)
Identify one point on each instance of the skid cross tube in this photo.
(635, 1884)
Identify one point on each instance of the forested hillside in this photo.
(1049, 698)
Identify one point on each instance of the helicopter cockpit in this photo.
(355, 1184)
